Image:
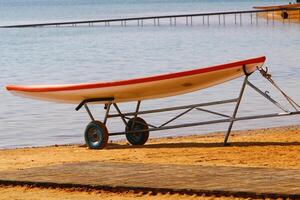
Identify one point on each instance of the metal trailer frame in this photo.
(125, 117)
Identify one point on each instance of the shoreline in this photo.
(152, 140)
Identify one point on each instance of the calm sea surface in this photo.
(87, 54)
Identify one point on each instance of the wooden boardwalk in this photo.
(210, 180)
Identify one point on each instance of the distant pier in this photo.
(218, 18)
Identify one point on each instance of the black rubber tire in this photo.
(284, 15)
(96, 135)
(139, 138)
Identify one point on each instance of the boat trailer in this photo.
(137, 129)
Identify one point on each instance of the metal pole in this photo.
(107, 113)
(240, 19)
(177, 108)
(137, 108)
(212, 112)
(264, 94)
(207, 19)
(176, 117)
(136, 113)
(234, 18)
(120, 113)
(209, 122)
(89, 112)
(256, 18)
(236, 110)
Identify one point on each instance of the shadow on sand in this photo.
(200, 145)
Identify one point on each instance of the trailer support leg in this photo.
(136, 113)
(89, 112)
(107, 112)
(235, 110)
(120, 113)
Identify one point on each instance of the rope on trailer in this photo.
(268, 76)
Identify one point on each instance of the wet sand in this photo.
(267, 148)
(26, 193)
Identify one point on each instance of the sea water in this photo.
(89, 54)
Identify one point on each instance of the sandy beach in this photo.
(233, 58)
(267, 148)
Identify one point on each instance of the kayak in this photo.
(157, 86)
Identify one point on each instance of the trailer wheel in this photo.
(138, 138)
(96, 135)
